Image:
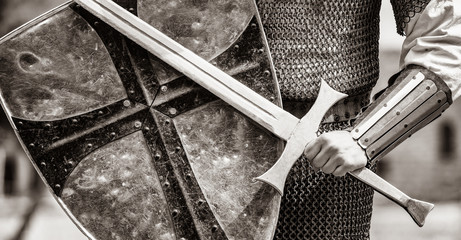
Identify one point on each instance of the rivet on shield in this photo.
(75, 120)
(164, 88)
(175, 213)
(32, 145)
(89, 145)
(43, 164)
(113, 134)
(173, 111)
(70, 163)
(166, 184)
(157, 156)
(177, 149)
(126, 103)
(201, 202)
(214, 228)
(137, 124)
(57, 186)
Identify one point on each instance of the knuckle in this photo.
(327, 170)
(341, 161)
(316, 163)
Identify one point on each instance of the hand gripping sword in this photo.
(296, 132)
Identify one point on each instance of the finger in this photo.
(321, 159)
(331, 165)
(312, 149)
(341, 171)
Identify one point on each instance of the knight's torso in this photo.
(310, 40)
(335, 41)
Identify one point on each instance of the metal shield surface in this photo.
(130, 148)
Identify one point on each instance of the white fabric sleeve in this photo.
(434, 42)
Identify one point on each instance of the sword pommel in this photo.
(419, 210)
(304, 132)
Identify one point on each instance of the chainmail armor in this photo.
(404, 10)
(336, 41)
(310, 40)
(324, 207)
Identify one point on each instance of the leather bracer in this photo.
(416, 97)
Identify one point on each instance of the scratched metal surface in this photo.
(119, 180)
(226, 151)
(207, 28)
(49, 75)
(116, 135)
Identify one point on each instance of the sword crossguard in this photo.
(297, 133)
(304, 133)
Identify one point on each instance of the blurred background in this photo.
(427, 166)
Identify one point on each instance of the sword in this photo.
(296, 132)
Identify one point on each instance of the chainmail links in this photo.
(310, 40)
(405, 10)
(324, 207)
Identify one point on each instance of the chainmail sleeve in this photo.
(405, 10)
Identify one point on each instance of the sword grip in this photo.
(417, 209)
(303, 133)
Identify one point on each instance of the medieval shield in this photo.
(129, 147)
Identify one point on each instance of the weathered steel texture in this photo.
(146, 73)
(117, 152)
(207, 28)
(115, 192)
(116, 46)
(186, 199)
(58, 146)
(226, 151)
(48, 75)
(180, 96)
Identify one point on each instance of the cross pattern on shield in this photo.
(131, 148)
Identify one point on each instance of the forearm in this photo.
(416, 97)
(429, 80)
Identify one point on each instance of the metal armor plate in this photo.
(130, 148)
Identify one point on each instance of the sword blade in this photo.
(250, 103)
(241, 97)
